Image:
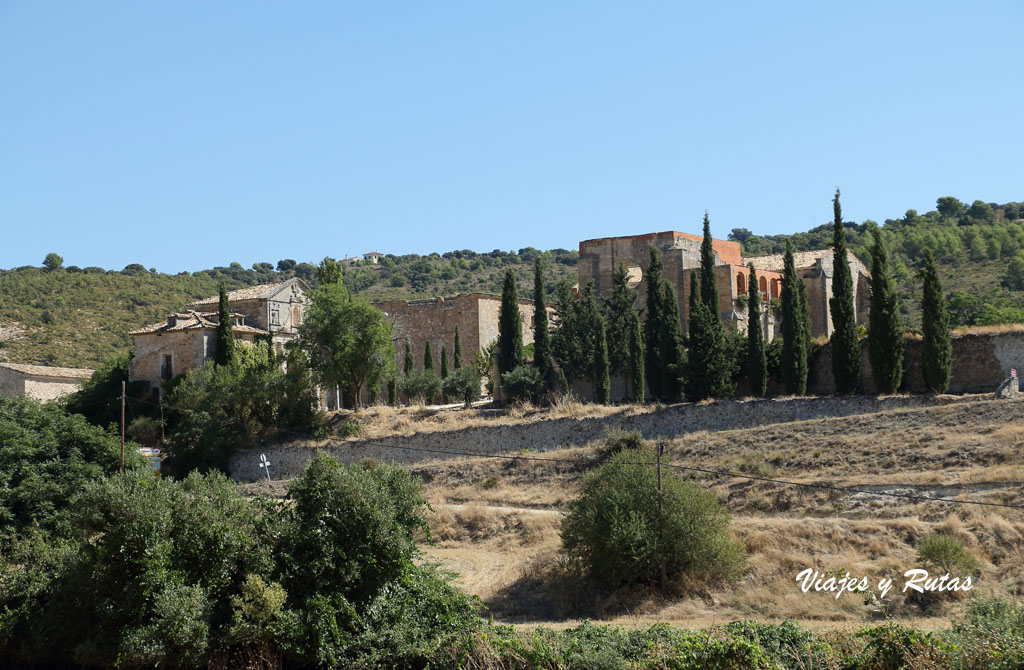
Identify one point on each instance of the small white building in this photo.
(373, 257)
(40, 382)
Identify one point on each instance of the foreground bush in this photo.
(614, 533)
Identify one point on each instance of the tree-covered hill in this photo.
(79, 317)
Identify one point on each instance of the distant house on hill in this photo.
(373, 257)
(188, 340)
(40, 382)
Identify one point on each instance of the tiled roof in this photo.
(373, 253)
(47, 371)
(776, 262)
(247, 293)
(193, 321)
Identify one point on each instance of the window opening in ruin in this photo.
(634, 274)
(296, 317)
(275, 317)
(167, 369)
(741, 284)
(762, 284)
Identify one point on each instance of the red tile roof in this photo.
(193, 321)
(47, 371)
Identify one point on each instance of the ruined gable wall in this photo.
(12, 383)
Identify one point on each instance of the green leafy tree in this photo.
(225, 333)
(53, 262)
(420, 387)
(844, 344)
(428, 357)
(757, 363)
(794, 344)
(348, 340)
(510, 330)
(885, 327)
(1014, 277)
(573, 339)
(936, 345)
(655, 368)
(636, 359)
(602, 383)
(949, 206)
(462, 384)
(541, 338)
(329, 271)
(457, 351)
(614, 530)
(522, 383)
(99, 398)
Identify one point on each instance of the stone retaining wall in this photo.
(549, 434)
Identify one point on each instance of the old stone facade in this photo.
(40, 382)
(434, 320)
(600, 258)
(188, 340)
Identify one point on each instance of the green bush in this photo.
(522, 383)
(613, 530)
(616, 440)
(462, 384)
(420, 387)
(946, 553)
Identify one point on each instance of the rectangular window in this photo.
(167, 369)
(275, 317)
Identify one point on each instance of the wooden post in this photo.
(122, 427)
(661, 543)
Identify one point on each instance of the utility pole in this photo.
(661, 525)
(122, 433)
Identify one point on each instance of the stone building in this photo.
(40, 382)
(187, 340)
(435, 319)
(680, 252)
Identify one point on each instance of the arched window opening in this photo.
(741, 284)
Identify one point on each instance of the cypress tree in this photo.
(708, 276)
(510, 332)
(428, 358)
(407, 365)
(670, 343)
(794, 345)
(708, 372)
(541, 340)
(618, 318)
(602, 383)
(757, 363)
(444, 360)
(225, 332)
(885, 329)
(652, 326)
(936, 345)
(844, 344)
(457, 353)
(636, 359)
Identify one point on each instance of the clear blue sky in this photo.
(183, 135)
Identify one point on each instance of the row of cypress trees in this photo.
(596, 342)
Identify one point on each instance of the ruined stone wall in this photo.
(254, 311)
(558, 433)
(981, 361)
(189, 349)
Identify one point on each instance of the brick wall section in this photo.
(981, 361)
(288, 461)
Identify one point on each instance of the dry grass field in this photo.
(495, 522)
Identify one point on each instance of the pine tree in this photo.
(636, 359)
(602, 383)
(670, 342)
(510, 331)
(457, 352)
(885, 328)
(936, 345)
(407, 364)
(844, 344)
(757, 363)
(652, 326)
(541, 340)
(618, 317)
(428, 358)
(794, 345)
(225, 332)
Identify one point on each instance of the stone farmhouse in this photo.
(599, 258)
(187, 340)
(40, 382)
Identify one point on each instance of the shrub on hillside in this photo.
(462, 384)
(420, 387)
(947, 554)
(613, 531)
(522, 383)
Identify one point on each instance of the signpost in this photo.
(264, 463)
